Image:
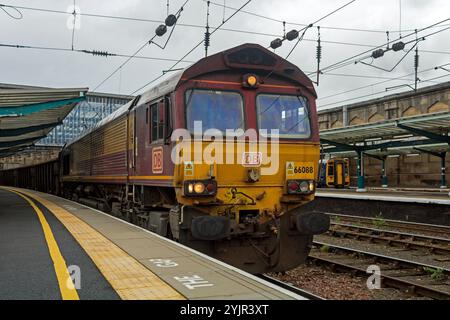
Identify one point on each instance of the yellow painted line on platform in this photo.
(129, 278)
(68, 291)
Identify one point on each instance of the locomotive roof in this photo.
(247, 56)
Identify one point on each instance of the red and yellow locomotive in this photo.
(241, 206)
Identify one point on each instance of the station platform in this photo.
(388, 194)
(53, 248)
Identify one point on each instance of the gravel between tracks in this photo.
(336, 286)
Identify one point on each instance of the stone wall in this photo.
(404, 171)
(426, 100)
(415, 171)
(28, 157)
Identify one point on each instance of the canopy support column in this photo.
(360, 170)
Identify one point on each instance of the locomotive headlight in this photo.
(199, 187)
(304, 186)
(195, 188)
(293, 186)
(250, 81)
(300, 186)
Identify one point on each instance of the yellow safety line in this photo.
(128, 277)
(68, 291)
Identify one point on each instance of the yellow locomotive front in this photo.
(246, 159)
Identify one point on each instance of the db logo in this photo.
(157, 160)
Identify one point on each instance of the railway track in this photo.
(431, 230)
(432, 244)
(287, 286)
(413, 277)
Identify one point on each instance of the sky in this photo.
(349, 84)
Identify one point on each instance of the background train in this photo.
(126, 165)
(334, 173)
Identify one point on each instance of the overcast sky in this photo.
(72, 69)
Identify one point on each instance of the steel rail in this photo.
(405, 225)
(409, 240)
(388, 279)
(287, 286)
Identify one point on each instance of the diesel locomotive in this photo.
(146, 162)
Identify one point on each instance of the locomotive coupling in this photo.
(312, 222)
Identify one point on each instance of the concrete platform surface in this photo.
(45, 241)
(388, 195)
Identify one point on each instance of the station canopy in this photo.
(28, 114)
(427, 133)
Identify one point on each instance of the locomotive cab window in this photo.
(156, 122)
(288, 114)
(220, 110)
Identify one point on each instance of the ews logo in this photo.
(157, 160)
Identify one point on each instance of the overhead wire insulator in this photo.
(291, 35)
(377, 53)
(318, 54)
(207, 39)
(276, 43)
(207, 33)
(398, 46)
(161, 30)
(100, 53)
(170, 20)
(318, 51)
(416, 64)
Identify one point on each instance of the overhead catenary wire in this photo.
(96, 15)
(296, 33)
(375, 93)
(138, 50)
(398, 62)
(91, 52)
(336, 42)
(352, 59)
(12, 16)
(378, 83)
(304, 25)
(250, 32)
(191, 50)
(278, 42)
(351, 62)
(111, 54)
